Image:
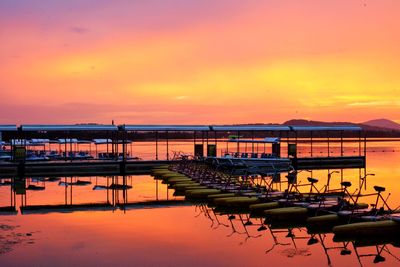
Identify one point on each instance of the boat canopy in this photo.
(270, 140)
(67, 140)
(74, 127)
(109, 141)
(37, 141)
(8, 128)
(250, 128)
(102, 141)
(177, 128)
(284, 128)
(326, 128)
(19, 142)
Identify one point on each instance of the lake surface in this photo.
(174, 233)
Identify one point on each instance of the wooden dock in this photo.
(110, 167)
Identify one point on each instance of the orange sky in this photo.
(203, 61)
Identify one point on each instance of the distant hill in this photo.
(317, 123)
(365, 126)
(383, 123)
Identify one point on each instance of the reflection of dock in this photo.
(79, 168)
(44, 209)
(114, 197)
(8, 210)
(328, 163)
(155, 204)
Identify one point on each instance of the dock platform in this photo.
(78, 168)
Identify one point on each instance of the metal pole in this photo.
(70, 147)
(227, 146)
(207, 142)
(288, 141)
(112, 145)
(215, 137)
(238, 138)
(167, 145)
(327, 133)
(365, 146)
(108, 135)
(252, 143)
(341, 143)
(124, 147)
(65, 148)
(194, 143)
(156, 145)
(311, 142)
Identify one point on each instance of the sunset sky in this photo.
(194, 62)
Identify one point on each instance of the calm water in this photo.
(174, 234)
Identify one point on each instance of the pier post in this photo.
(202, 139)
(365, 146)
(207, 138)
(341, 143)
(238, 145)
(215, 138)
(252, 143)
(123, 163)
(327, 134)
(227, 146)
(65, 148)
(194, 143)
(70, 147)
(156, 145)
(167, 145)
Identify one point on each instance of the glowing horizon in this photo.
(198, 62)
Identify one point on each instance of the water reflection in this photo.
(294, 239)
(246, 237)
(69, 194)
